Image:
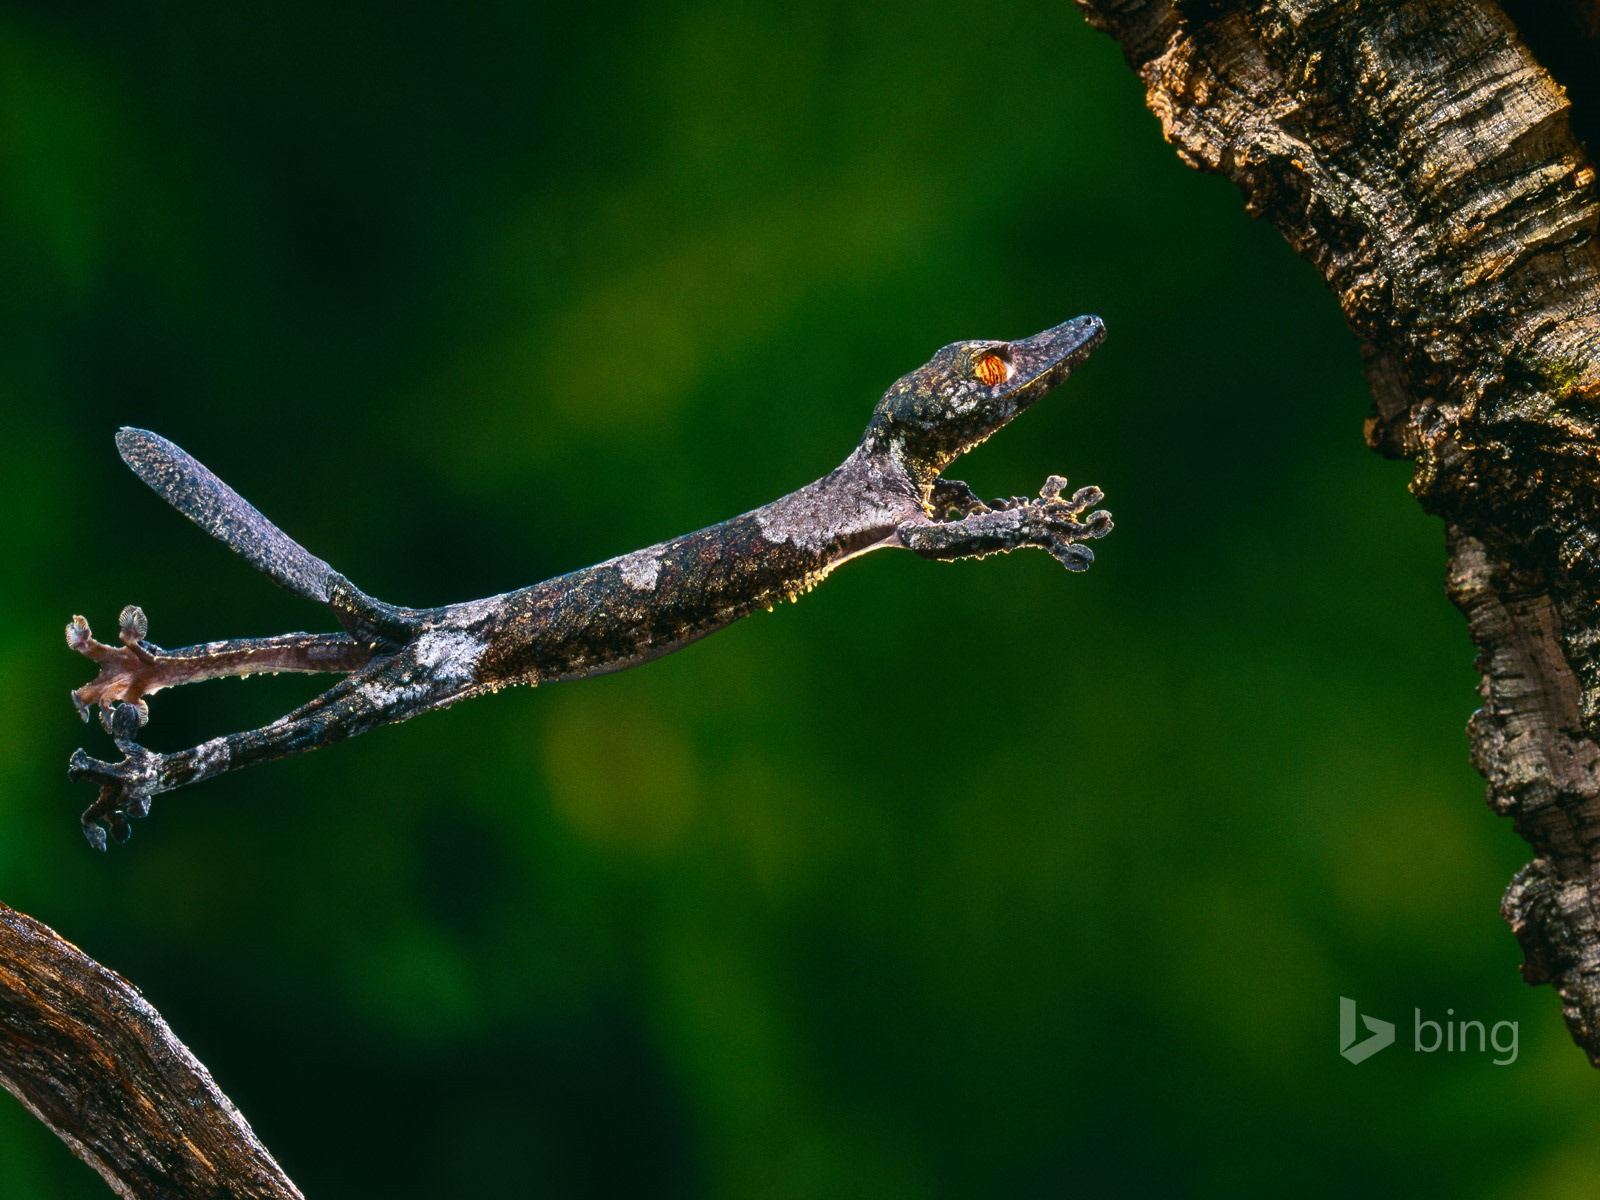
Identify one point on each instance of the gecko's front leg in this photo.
(1051, 522)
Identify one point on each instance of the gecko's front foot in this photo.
(1060, 524)
(127, 672)
(1050, 521)
(126, 787)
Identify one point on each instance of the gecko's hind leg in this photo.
(386, 689)
(136, 668)
(128, 786)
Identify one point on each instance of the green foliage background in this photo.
(966, 880)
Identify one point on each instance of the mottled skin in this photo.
(889, 492)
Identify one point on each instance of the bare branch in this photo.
(89, 1056)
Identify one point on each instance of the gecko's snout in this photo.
(1047, 358)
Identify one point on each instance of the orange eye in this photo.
(992, 369)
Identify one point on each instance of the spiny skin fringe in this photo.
(403, 661)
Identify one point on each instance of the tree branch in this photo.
(1424, 162)
(89, 1056)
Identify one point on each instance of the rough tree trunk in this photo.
(1419, 157)
(88, 1056)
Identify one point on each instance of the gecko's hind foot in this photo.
(127, 671)
(126, 788)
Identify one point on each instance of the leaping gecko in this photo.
(399, 662)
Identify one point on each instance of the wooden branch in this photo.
(89, 1056)
(1420, 158)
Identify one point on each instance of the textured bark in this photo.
(89, 1056)
(1417, 154)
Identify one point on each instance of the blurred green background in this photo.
(468, 300)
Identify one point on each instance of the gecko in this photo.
(399, 662)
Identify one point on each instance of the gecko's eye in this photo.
(992, 369)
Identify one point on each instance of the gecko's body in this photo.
(628, 610)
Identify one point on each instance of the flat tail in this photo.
(191, 488)
(194, 490)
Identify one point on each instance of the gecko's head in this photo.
(968, 390)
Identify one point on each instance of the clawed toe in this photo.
(81, 767)
(79, 637)
(1097, 524)
(1054, 485)
(1074, 556)
(125, 720)
(1084, 499)
(132, 625)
